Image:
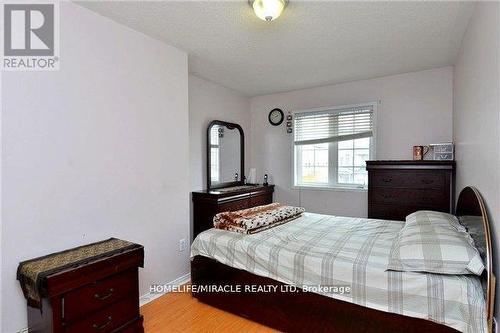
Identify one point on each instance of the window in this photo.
(331, 146)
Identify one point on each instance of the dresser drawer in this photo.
(107, 319)
(260, 200)
(408, 179)
(100, 294)
(412, 197)
(390, 212)
(397, 212)
(234, 205)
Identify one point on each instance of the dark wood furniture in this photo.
(98, 296)
(399, 188)
(208, 203)
(471, 211)
(296, 311)
(309, 312)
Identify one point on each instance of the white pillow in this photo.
(436, 218)
(436, 243)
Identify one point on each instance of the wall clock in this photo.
(276, 117)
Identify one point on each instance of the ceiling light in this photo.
(268, 10)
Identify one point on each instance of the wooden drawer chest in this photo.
(208, 203)
(100, 295)
(399, 188)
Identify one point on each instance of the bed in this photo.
(326, 255)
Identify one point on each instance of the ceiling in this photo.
(313, 43)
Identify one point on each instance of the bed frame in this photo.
(305, 311)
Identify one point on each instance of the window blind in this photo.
(333, 125)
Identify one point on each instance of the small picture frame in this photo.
(289, 130)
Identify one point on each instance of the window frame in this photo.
(333, 153)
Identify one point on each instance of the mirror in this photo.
(225, 154)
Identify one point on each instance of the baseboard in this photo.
(146, 298)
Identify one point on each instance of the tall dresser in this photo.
(399, 188)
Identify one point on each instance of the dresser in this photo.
(208, 203)
(399, 188)
(98, 293)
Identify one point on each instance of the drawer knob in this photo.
(387, 180)
(102, 326)
(427, 181)
(105, 296)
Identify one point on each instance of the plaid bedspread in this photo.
(326, 250)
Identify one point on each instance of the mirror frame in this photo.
(231, 126)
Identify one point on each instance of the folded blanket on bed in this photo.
(252, 220)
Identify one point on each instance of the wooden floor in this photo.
(179, 312)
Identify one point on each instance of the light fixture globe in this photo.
(268, 10)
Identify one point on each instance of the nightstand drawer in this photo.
(133, 327)
(405, 179)
(96, 281)
(100, 294)
(108, 319)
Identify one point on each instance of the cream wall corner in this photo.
(95, 150)
(414, 109)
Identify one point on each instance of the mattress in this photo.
(330, 254)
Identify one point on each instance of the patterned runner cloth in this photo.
(31, 273)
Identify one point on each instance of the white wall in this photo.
(97, 149)
(476, 117)
(415, 108)
(1, 201)
(209, 101)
